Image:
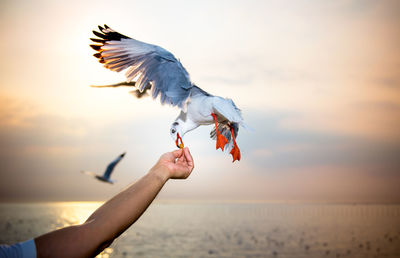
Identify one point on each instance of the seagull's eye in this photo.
(175, 123)
(173, 130)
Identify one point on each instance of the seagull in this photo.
(153, 68)
(106, 176)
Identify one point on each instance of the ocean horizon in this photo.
(201, 228)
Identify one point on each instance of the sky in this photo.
(318, 81)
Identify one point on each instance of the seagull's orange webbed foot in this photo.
(235, 152)
(221, 140)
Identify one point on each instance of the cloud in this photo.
(41, 154)
(41, 157)
(389, 82)
(229, 80)
(317, 80)
(278, 147)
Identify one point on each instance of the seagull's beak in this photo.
(179, 145)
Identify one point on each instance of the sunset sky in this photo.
(319, 81)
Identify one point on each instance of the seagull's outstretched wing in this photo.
(136, 92)
(112, 165)
(123, 84)
(90, 173)
(148, 63)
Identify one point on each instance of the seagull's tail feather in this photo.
(247, 127)
(225, 130)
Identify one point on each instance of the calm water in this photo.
(227, 229)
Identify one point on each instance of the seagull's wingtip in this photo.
(96, 47)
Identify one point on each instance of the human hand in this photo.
(176, 164)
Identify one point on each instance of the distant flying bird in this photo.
(152, 68)
(107, 174)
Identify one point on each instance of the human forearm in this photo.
(117, 214)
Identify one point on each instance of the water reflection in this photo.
(226, 229)
(73, 213)
(22, 221)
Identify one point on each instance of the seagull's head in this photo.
(176, 132)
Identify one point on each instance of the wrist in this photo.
(162, 174)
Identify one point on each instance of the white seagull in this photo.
(153, 68)
(107, 174)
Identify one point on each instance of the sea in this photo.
(226, 229)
